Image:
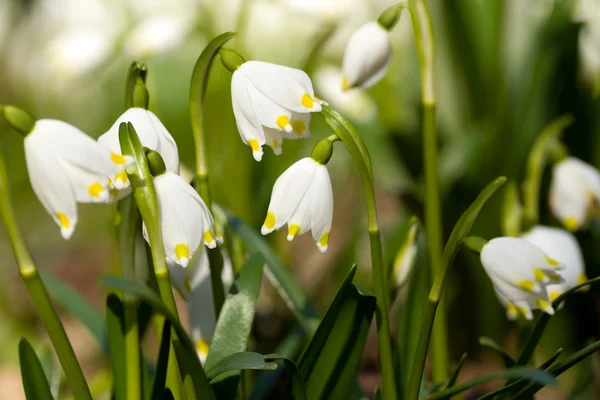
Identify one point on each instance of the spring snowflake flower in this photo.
(520, 272)
(271, 102)
(563, 247)
(153, 135)
(195, 286)
(574, 192)
(303, 199)
(367, 56)
(184, 219)
(67, 167)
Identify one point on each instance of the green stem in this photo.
(360, 156)
(424, 41)
(129, 225)
(40, 296)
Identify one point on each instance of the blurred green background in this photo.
(504, 69)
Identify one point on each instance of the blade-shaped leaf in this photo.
(115, 328)
(239, 361)
(51, 369)
(329, 363)
(160, 377)
(295, 385)
(279, 275)
(456, 372)
(34, 380)
(496, 348)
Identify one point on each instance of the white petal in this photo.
(274, 140)
(322, 208)
(88, 187)
(289, 87)
(267, 112)
(367, 56)
(181, 217)
(300, 127)
(249, 128)
(51, 184)
(288, 191)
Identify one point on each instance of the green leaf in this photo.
(239, 361)
(405, 239)
(188, 361)
(115, 328)
(235, 322)
(529, 373)
(34, 380)
(495, 347)
(77, 306)
(280, 276)
(160, 377)
(456, 372)
(295, 385)
(51, 369)
(512, 211)
(540, 326)
(329, 363)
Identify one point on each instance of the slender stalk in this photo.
(424, 41)
(127, 231)
(362, 159)
(40, 296)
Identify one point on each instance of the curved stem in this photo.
(362, 159)
(40, 296)
(424, 41)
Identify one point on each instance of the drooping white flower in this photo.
(303, 199)
(185, 220)
(563, 247)
(367, 56)
(520, 272)
(195, 285)
(574, 192)
(67, 167)
(271, 102)
(152, 134)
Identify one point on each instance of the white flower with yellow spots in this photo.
(564, 248)
(185, 220)
(303, 199)
(195, 286)
(152, 134)
(574, 192)
(67, 167)
(520, 272)
(367, 56)
(271, 102)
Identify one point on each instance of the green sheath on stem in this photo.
(40, 296)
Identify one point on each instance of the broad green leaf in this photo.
(456, 372)
(78, 306)
(496, 348)
(329, 363)
(235, 323)
(188, 361)
(34, 380)
(239, 361)
(115, 328)
(295, 383)
(279, 274)
(529, 373)
(160, 376)
(540, 326)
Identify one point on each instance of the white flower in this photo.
(367, 56)
(157, 34)
(574, 192)
(196, 287)
(152, 134)
(67, 167)
(520, 271)
(271, 102)
(185, 220)
(302, 198)
(563, 247)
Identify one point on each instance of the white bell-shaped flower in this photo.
(67, 167)
(367, 56)
(152, 134)
(195, 285)
(574, 192)
(561, 246)
(271, 102)
(303, 199)
(185, 220)
(520, 272)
